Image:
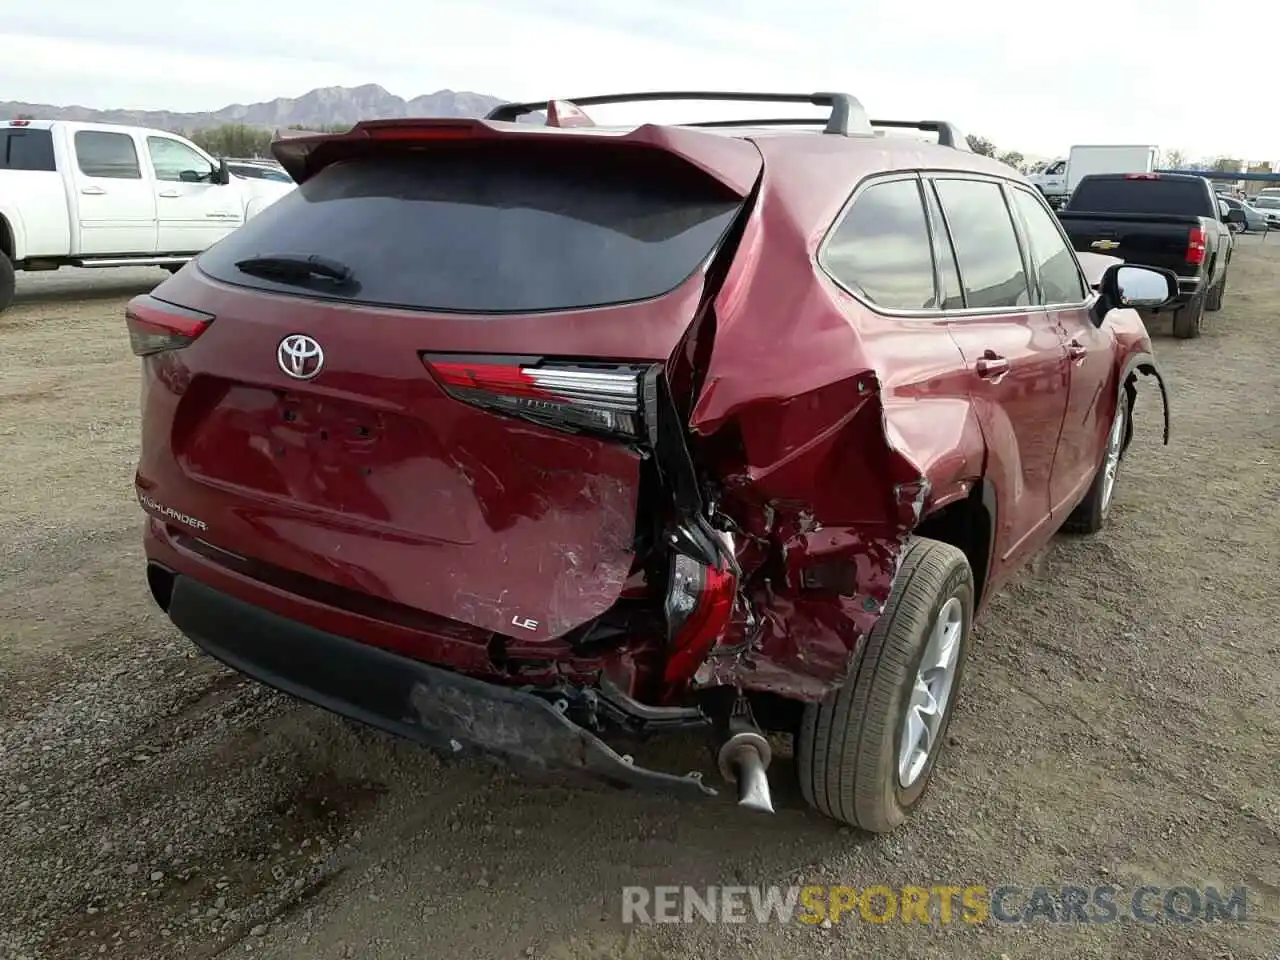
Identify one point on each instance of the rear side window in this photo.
(986, 246)
(1054, 260)
(476, 230)
(882, 249)
(109, 155)
(26, 150)
(1106, 195)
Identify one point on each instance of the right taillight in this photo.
(596, 397)
(699, 604)
(1195, 246)
(156, 325)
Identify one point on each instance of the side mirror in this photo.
(1142, 288)
(222, 176)
(1234, 215)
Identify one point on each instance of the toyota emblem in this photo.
(300, 356)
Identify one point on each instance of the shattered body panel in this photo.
(830, 452)
(833, 451)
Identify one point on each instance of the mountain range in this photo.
(317, 109)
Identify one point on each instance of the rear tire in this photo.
(1188, 321)
(8, 282)
(1091, 514)
(851, 754)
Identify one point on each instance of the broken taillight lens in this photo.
(156, 325)
(698, 606)
(597, 398)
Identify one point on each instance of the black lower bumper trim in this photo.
(444, 710)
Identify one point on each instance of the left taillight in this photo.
(156, 325)
(600, 398)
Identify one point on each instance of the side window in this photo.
(881, 248)
(110, 155)
(26, 150)
(1054, 260)
(1057, 168)
(177, 162)
(986, 246)
(951, 294)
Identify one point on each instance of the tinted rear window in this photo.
(1188, 197)
(26, 150)
(483, 231)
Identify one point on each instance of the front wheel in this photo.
(865, 754)
(1216, 295)
(1091, 515)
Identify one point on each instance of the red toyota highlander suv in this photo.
(516, 437)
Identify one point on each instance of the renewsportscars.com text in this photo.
(972, 904)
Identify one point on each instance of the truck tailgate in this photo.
(1157, 240)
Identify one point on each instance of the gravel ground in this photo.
(1119, 724)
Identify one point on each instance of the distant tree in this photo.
(981, 145)
(1013, 158)
(233, 140)
(321, 127)
(1037, 167)
(25, 116)
(1173, 159)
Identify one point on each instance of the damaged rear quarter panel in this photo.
(830, 451)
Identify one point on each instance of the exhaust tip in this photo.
(744, 760)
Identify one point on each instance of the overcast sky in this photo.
(1037, 77)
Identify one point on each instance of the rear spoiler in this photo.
(734, 163)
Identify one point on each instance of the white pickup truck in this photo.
(103, 195)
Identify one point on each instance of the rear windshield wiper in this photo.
(294, 268)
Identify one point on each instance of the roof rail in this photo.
(847, 119)
(949, 134)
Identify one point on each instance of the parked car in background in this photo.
(1269, 207)
(258, 170)
(1166, 220)
(1269, 192)
(104, 195)
(1254, 220)
(507, 437)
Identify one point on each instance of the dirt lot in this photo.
(1120, 724)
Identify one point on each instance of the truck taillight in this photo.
(599, 398)
(1195, 246)
(698, 606)
(156, 325)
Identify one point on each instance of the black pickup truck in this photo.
(1164, 220)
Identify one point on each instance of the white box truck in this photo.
(1061, 177)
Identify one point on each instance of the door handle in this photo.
(992, 366)
(1077, 350)
(93, 191)
(168, 193)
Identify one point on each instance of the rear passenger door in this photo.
(115, 201)
(1017, 362)
(1062, 292)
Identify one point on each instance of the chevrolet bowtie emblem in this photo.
(1105, 244)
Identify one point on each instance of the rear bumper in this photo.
(447, 711)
